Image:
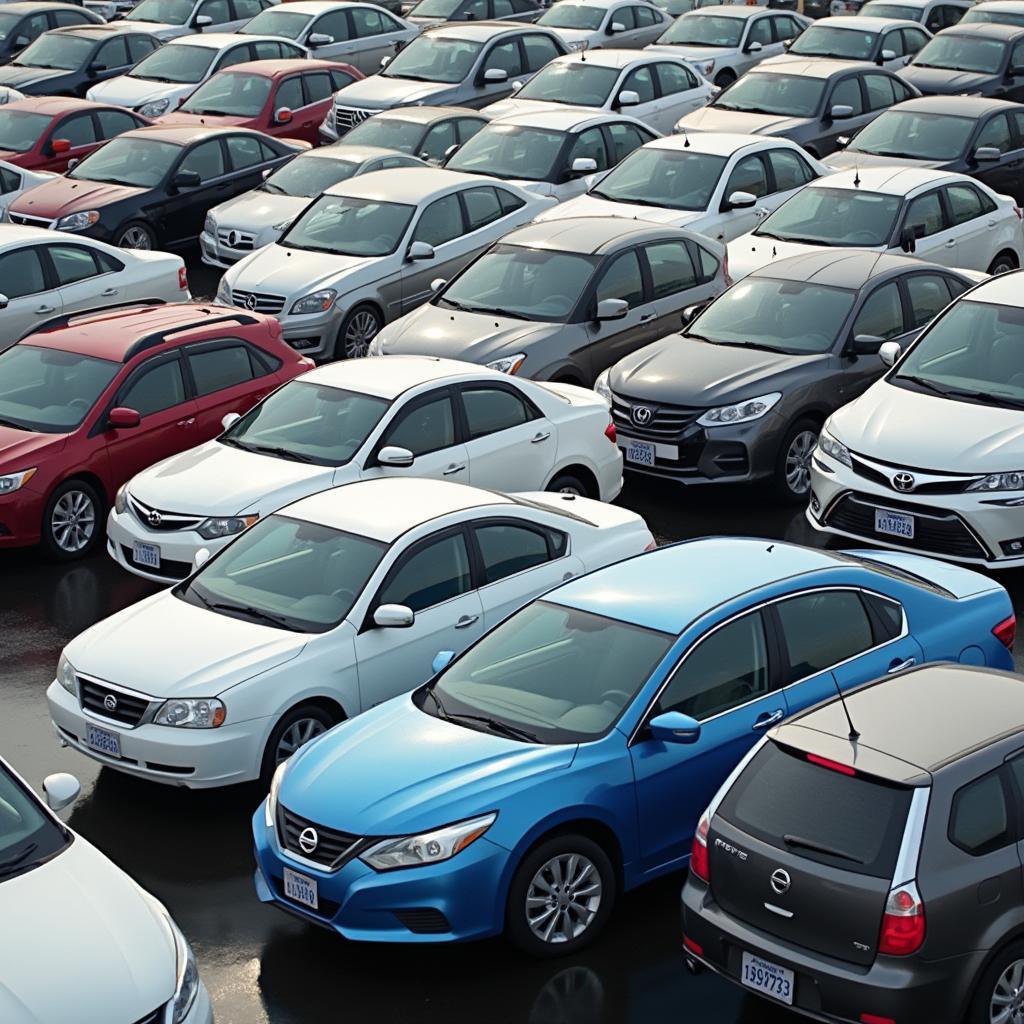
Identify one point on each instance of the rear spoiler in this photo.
(57, 323)
(954, 580)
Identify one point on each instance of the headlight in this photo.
(739, 412)
(429, 847)
(210, 225)
(12, 482)
(186, 977)
(214, 529)
(602, 387)
(192, 713)
(999, 482)
(270, 808)
(507, 364)
(121, 499)
(705, 67)
(154, 109)
(78, 221)
(318, 302)
(830, 446)
(224, 292)
(66, 675)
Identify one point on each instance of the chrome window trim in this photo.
(716, 800)
(913, 836)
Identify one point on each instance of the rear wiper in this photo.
(810, 844)
(6, 866)
(256, 613)
(495, 726)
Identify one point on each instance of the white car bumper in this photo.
(202, 1010)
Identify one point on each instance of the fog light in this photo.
(1013, 547)
(301, 343)
(815, 503)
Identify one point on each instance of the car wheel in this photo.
(566, 483)
(135, 236)
(561, 896)
(725, 78)
(793, 471)
(1003, 264)
(295, 730)
(1000, 993)
(72, 521)
(358, 329)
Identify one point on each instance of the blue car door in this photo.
(728, 681)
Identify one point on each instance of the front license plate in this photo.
(640, 452)
(104, 741)
(767, 978)
(146, 554)
(300, 888)
(895, 524)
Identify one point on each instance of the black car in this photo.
(966, 134)
(151, 188)
(22, 23)
(979, 59)
(68, 61)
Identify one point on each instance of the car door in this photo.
(79, 132)
(184, 209)
(749, 174)
(679, 93)
(642, 82)
(227, 376)
(846, 92)
(727, 681)
(509, 442)
(433, 577)
(376, 34)
(505, 55)
(27, 296)
(881, 315)
(85, 277)
(977, 224)
(1002, 175)
(755, 44)
(677, 279)
(936, 239)
(440, 225)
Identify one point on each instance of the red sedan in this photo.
(94, 399)
(286, 98)
(45, 132)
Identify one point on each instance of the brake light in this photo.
(835, 766)
(902, 922)
(694, 947)
(873, 1018)
(609, 432)
(182, 278)
(699, 864)
(1006, 632)
(725, 269)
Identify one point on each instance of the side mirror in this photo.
(4, 301)
(319, 39)
(230, 419)
(886, 55)
(267, 172)
(866, 344)
(385, 61)
(612, 309)
(517, 85)
(21, 42)
(60, 145)
(186, 179)
(495, 75)
(394, 616)
(96, 69)
(690, 313)
(419, 251)
(442, 660)
(615, 27)
(392, 455)
(842, 142)
(583, 165)
(73, 163)
(984, 154)
(754, 47)
(201, 21)
(200, 558)
(451, 151)
(909, 235)
(1015, 70)
(437, 284)
(628, 98)
(741, 201)
(282, 115)
(61, 790)
(840, 111)
(674, 727)
(122, 418)
(787, 43)
(889, 352)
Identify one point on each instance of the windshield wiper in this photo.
(799, 239)
(501, 311)
(11, 423)
(923, 382)
(211, 113)
(248, 609)
(283, 453)
(270, 186)
(495, 726)
(986, 397)
(810, 844)
(6, 866)
(314, 248)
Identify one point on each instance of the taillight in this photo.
(609, 432)
(834, 766)
(1017, 210)
(652, 545)
(902, 922)
(694, 947)
(1006, 632)
(874, 1018)
(182, 278)
(725, 269)
(699, 852)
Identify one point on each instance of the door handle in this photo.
(951, 243)
(46, 309)
(769, 719)
(454, 469)
(647, 316)
(542, 436)
(899, 666)
(466, 620)
(187, 423)
(993, 223)
(107, 292)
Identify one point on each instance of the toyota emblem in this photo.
(308, 840)
(110, 702)
(250, 302)
(154, 518)
(904, 481)
(641, 415)
(780, 881)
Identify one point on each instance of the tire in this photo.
(792, 481)
(357, 330)
(567, 483)
(997, 978)
(577, 911)
(135, 235)
(725, 78)
(72, 524)
(306, 720)
(1003, 264)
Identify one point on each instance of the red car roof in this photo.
(286, 66)
(54, 105)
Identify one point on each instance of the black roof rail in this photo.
(159, 337)
(55, 323)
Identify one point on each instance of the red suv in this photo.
(92, 399)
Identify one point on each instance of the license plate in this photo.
(146, 554)
(300, 888)
(895, 524)
(104, 741)
(767, 978)
(640, 452)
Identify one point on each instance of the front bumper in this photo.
(21, 517)
(313, 334)
(202, 1010)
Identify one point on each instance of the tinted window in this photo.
(489, 410)
(437, 141)
(508, 549)
(334, 24)
(244, 151)
(880, 91)
(847, 93)
(888, 614)
(289, 95)
(539, 50)
(139, 47)
(506, 57)
(645, 17)
(760, 32)
(822, 629)
(482, 207)
(207, 160)
(925, 213)
(426, 427)
(622, 280)
(674, 78)
(624, 16)
(10, 180)
(913, 40)
(219, 368)
(590, 145)
(882, 314)
(218, 11)
(625, 138)
(155, 389)
(318, 86)
(509, 202)
(929, 295)
(996, 133)
(791, 170)
(979, 821)
(368, 22)
(964, 203)
(113, 54)
(503, 8)
(748, 175)
(893, 41)
(78, 130)
(440, 223)
(72, 263)
(113, 122)
(21, 273)
(671, 268)
(437, 572)
(787, 28)
(640, 81)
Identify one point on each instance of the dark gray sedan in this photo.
(742, 393)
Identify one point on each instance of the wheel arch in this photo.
(586, 475)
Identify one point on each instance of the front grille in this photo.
(158, 519)
(169, 568)
(94, 697)
(423, 920)
(665, 422)
(32, 222)
(258, 302)
(333, 848)
(326, 908)
(954, 485)
(348, 117)
(243, 241)
(936, 530)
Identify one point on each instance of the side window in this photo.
(318, 86)
(506, 57)
(155, 389)
(61, 19)
(760, 31)
(21, 273)
(489, 410)
(822, 629)
(508, 549)
(929, 295)
(482, 207)
(956, 287)
(10, 180)
(672, 270)
(997, 133)
(979, 820)
(1017, 57)
(246, 9)
(334, 24)
(139, 47)
(723, 671)
(474, 10)
(882, 313)
(645, 17)
(708, 264)
(440, 222)
(240, 54)
(641, 81)
(467, 127)
(72, 263)
(790, 169)
(622, 280)
(539, 50)
(892, 41)
(424, 427)
(847, 94)
(113, 122)
(926, 212)
(436, 572)
(786, 28)
(339, 79)
(108, 264)
(113, 53)
(749, 175)
(964, 203)
(624, 16)
(880, 91)
(219, 12)
(673, 78)
(219, 368)
(901, 90)
(31, 28)
(438, 141)
(888, 614)
(503, 9)
(509, 202)
(244, 151)
(79, 130)
(935, 22)
(590, 144)
(625, 138)
(913, 40)
(367, 22)
(207, 159)
(289, 94)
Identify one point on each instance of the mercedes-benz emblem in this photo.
(154, 518)
(308, 840)
(780, 881)
(904, 481)
(641, 415)
(250, 301)
(110, 702)
(232, 238)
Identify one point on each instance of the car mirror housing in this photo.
(123, 418)
(889, 352)
(866, 344)
(4, 301)
(984, 154)
(886, 55)
(840, 111)
(442, 660)
(909, 234)
(437, 284)
(741, 200)
(394, 616)
(754, 47)
(615, 27)
(202, 21)
(419, 251)
(319, 39)
(628, 98)
(200, 558)
(517, 85)
(229, 419)
(583, 165)
(186, 179)
(60, 145)
(282, 115)
(612, 309)
(674, 727)
(690, 313)
(392, 455)
(494, 75)
(842, 141)
(96, 69)
(61, 790)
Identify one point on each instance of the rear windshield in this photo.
(852, 822)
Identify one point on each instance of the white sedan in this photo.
(318, 612)
(359, 420)
(80, 940)
(14, 180)
(593, 24)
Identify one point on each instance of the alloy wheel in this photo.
(73, 521)
(563, 898)
(1007, 1003)
(798, 461)
(298, 734)
(361, 330)
(136, 238)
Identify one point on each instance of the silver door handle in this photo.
(542, 436)
(466, 620)
(993, 223)
(901, 665)
(768, 720)
(951, 243)
(46, 309)
(109, 291)
(454, 469)
(647, 316)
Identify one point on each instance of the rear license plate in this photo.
(767, 978)
(146, 554)
(640, 452)
(105, 742)
(300, 888)
(895, 524)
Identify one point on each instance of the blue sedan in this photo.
(567, 755)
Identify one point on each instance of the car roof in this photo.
(13, 233)
(611, 58)
(896, 181)
(590, 235)
(34, 8)
(282, 66)
(390, 377)
(670, 587)
(184, 134)
(717, 143)
(986, 29)
(481, 31)
(427, 114)
(868, 24)
(386, 508)
(565, 119)
(318, 6)
(404, 184)
(221, 40)
(54, 105)
(730, 11)
(1004, 290)
(843, 269)
(350, 151)
(813, 67)
(106, 29)
(963, 106)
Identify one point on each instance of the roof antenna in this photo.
(583, 52)
(774, 253)
(854, 735)
(770, 547)
(856, 174)
(686, 140)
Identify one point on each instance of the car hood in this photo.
(278, 269)
(215, 479)
(749, 252)
(503, 108)
(681, 371)
(224, 121)
(254, 210)
(141, 648)
(847, 160)
(415, 772)
(594, 206)
(20, 449)
(133, 92)
(17, 77)
(901, 426)
(379, 92)
(111, 956)
(714, 119)
(66, 195)
(938, 81)
(697, 54)
(576, 35)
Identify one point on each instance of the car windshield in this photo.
(975, 352)
(179, 65)
(58, 52)
(769, 93)
(830, 41)
(28, 835)
(913, 135)
(673, 179)
(140, 163)
(162, 12)
(434, 59)
(552, 673)
(308, 176)
(834, 216)
(962, 53)
(529, 284)
(276, 22)
(704, 30)
(511, 151)
(897, 11)
(21, 130)
(998, 17)
(349, 227)
(308, 422)
(781, 316)
(287, 574)
(577, 84)
(435, 8)
(567, 15)
(388, 133)
(48, 390)
(231, 93)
